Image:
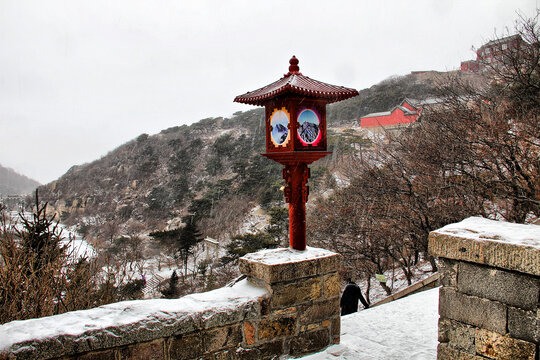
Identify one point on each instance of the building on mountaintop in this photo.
(407, 112)
(493, 53)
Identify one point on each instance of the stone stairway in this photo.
(152, 284)
(428, 283)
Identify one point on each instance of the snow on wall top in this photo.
(287, 255)
(478, 228)
(136, 314)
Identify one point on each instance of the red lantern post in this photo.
(296, 134)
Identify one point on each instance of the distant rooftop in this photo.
(384, 113)
(501, 41)
(414, 103)
(424, 102)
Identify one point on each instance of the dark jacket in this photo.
(349, 299)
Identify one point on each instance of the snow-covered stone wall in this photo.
(489, 302)
(288, 304)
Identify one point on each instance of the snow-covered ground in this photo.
(256, 220)
(403, 329)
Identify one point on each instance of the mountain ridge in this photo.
(14, 183)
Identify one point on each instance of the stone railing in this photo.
(490, 296)
(289, 304)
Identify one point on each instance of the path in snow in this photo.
(403, 329)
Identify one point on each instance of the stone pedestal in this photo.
(489, 300)
(302, 315)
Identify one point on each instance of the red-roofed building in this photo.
(405, 113)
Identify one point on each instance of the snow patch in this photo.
(482, 229)
(287, 255)
(256, 221)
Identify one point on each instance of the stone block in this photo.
(249, 333)
(445, 352)
(497, 346)
(336, 326)
(458, 335)
(513, 257)
(274, 328)
(310, 342)
(330, 264)
(511, 288)
(524, 325)
(318, 311)
(271, 350)
(224, 337)
(448, 269)
(284, 312)
(265, 306)
(153, 350)
(286, 264)
(331, 286)
(472, 310)
(212, 318)
(326, 323)
(238, 354)
(186, 346)
(98, 355)
(286, 294)
(456, 248)
(482, 247)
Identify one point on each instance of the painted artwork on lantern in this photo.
(309, 131)
(279, 123)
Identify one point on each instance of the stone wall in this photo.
(289, 304)
(489, 303)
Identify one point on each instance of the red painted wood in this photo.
(296, 193)
(293, 94)
(295, 157)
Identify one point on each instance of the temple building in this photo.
(493, 53)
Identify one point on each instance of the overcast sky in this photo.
(80, 78)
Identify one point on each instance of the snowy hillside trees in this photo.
(477, 153)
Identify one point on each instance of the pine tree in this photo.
(189, 237)
(40, 239)
(171, 292)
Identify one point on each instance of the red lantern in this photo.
(296, 134)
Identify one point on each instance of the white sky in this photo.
(79, 78)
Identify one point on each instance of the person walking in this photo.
(350, 297)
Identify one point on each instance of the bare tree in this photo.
(477, 153)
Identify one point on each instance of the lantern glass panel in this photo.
(309, 131)
(279, 123)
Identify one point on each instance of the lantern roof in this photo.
(294, 82)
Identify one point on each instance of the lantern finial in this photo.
(294, 68)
